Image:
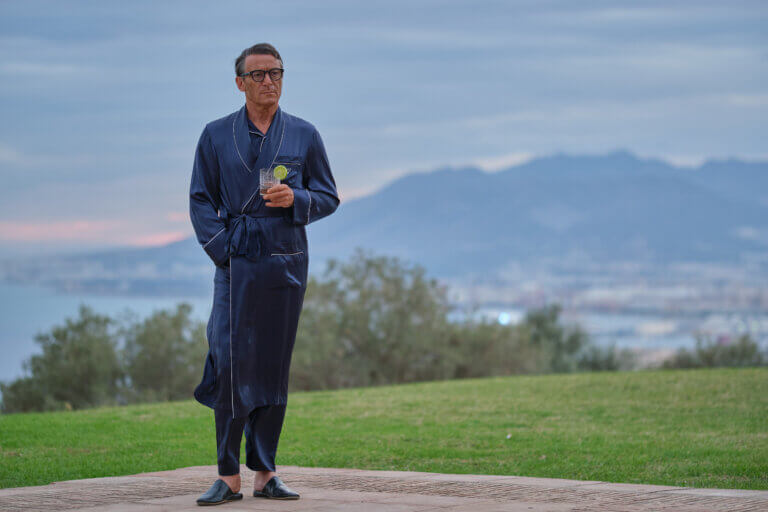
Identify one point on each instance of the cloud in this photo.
(12, 156)
(498, 163)
(57, 230)
(592, 111)
(122, 232)
(9, 155)
(178, 216)
(40, 69)
(690, 161)
(158, 238)
(746, 99)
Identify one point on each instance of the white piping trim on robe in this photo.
(231, 362)
(279, 146)
(242, 210)
(214, 236)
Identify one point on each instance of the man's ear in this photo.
(240, 84)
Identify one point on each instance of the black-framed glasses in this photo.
(257, 75)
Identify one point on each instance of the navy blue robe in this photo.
(260, 253)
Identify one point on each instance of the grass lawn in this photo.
(698, 428)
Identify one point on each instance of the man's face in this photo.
(266, 93)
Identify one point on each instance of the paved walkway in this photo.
(353, 490)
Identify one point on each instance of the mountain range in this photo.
(606, 208)
(557, 210)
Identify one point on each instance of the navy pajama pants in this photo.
(262, 432)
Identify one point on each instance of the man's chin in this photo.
(268, 101)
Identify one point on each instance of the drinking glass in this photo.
(266, 180)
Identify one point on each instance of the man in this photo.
(259, 246)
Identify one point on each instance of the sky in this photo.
(103, 102)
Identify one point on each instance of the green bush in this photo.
(710, 353)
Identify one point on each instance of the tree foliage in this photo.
(370, 320)
(78, 367)
(95, 360)
(162, 355)
(373, 320)
(710, 353)
(377, 320)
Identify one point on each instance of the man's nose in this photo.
(267, 78)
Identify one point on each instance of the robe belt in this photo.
(244, 234)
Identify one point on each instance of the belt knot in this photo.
(244, 236)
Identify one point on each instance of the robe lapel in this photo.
(243, 142)
(272, 142)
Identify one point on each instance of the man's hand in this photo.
(279, 195)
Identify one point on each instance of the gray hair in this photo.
(257, 49)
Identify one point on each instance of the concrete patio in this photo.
(331, 489)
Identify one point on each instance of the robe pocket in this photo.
(294, 177)
(287, 269)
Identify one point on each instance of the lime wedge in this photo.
(280, 172)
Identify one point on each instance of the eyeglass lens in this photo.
(258, 74)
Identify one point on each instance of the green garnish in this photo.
(280, 172)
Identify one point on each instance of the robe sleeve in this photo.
(320, 198)
(204, 202)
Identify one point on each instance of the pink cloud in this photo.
(116, 232)
(178, 216)
(60, 230)
(158, 239)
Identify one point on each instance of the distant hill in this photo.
(613, 207)
(176, 269)
(554, 210)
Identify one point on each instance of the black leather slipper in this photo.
(277, 490)
(219, 493)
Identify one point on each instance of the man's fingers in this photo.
(286, 201)
(283, 193)
(278, 188)
(270, 197)
(279, 195)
